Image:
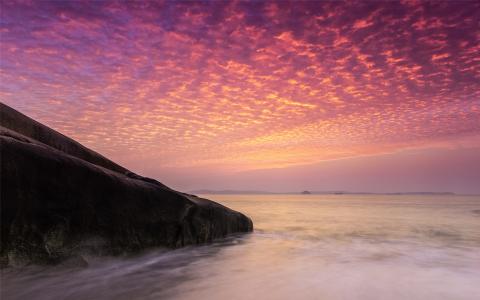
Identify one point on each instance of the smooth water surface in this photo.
(304, 247)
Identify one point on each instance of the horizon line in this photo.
(333, 192)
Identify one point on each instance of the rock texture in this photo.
(59, 198)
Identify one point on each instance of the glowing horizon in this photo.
(231, 88)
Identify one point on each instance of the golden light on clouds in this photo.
(247, 85)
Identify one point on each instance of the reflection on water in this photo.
(304, 247)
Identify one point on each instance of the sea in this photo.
(303, 247)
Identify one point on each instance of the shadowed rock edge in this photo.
(59, 198)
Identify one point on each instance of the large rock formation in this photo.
(59, 198)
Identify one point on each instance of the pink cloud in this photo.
(244, 85)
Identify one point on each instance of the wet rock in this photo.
(57, 196)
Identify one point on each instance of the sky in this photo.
(278, 96)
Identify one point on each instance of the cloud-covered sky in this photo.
(182, 91)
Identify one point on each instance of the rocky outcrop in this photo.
(59, 198)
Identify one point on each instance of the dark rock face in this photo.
(25, 126)
(59, 198)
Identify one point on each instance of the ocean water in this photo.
(304, 247)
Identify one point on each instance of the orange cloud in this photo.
(245, 86)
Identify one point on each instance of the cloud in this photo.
(246, 85)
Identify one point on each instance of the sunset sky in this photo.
(279, 96)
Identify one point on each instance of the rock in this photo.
(25, 126)
(58, 196)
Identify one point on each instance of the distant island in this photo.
(307, 192)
